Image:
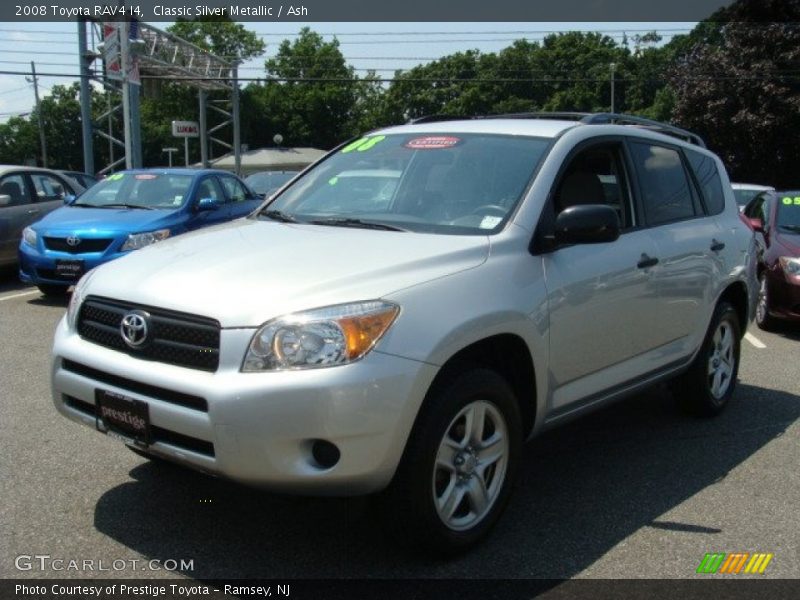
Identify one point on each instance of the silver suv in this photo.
(402, 316)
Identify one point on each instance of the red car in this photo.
(775, 218)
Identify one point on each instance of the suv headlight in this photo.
(140, 240)
(324, 337)
(75, 301)
(791, 267)
(29, 236)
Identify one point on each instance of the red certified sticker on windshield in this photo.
(433, 142)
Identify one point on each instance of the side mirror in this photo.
(5, 199)
(69, 199)
(207, 204)
(757, 225)
(587, 224)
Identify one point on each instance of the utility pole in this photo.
(126, 93)
(42, 139)
(86, 60)
(613, 70)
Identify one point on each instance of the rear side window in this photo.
(13, 191)
(234, 189)
(663, 182)
(705, 170)
(48, 188)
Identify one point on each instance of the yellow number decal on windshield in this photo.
(363, 144)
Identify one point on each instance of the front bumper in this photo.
(258, 427)
(39, 267)
(784, 296)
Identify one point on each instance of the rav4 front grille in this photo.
(169, 337)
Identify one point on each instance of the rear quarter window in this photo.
(663, 182)
(705, 170)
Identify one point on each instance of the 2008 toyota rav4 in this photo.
(407, 312)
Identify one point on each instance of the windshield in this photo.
(437, 183)
(788, 212)
(138, 190)
(269, 182)
(743, 196)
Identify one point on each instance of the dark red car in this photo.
(775, 218)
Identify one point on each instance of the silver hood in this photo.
(247, 272)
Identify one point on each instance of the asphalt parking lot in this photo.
(636, 490)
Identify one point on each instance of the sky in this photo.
(383, 47)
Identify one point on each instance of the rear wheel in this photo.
(763, 318)
(459, 465)
(707, 387)
(52, 290)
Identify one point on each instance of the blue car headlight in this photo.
(29, 236)
(140, 240)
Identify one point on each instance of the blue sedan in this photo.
(124, 212)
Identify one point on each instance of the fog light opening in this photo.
(325, 454)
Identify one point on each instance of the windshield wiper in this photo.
(123, 205)
(84, 205)
(279, 215)
(360, 223)
(790, 227)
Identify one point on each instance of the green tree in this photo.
(310, 92)
(220, 36)
(743, 95)
(19, 137)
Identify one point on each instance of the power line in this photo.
(473, 80)
(19, 89)
(24, 62)
(631, 31)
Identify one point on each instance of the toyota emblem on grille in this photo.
(73, 240)
(134, 328)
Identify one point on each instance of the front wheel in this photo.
(459, 465)
(52, 290)
(763, 319)
(707, 387)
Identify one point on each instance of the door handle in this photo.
(647, 261)
(716, 245)
(33, 211)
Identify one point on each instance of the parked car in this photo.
(267, 183)
(745, 192)
(27, 194)
(84, 179)
(775, 217)
(126, 211)
(519, 272)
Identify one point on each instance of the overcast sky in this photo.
(383, 47)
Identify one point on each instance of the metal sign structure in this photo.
(132, 51)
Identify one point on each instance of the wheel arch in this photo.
(509, 356)
(736, 294)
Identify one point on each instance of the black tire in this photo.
(409, 506)
(52, 290)
(698, 391)
(763, 319)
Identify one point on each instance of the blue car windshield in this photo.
(138, 190)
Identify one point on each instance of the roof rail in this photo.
(658, 126)
(581, 117)
(436, 118)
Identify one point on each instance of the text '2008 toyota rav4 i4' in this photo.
(406, 313)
